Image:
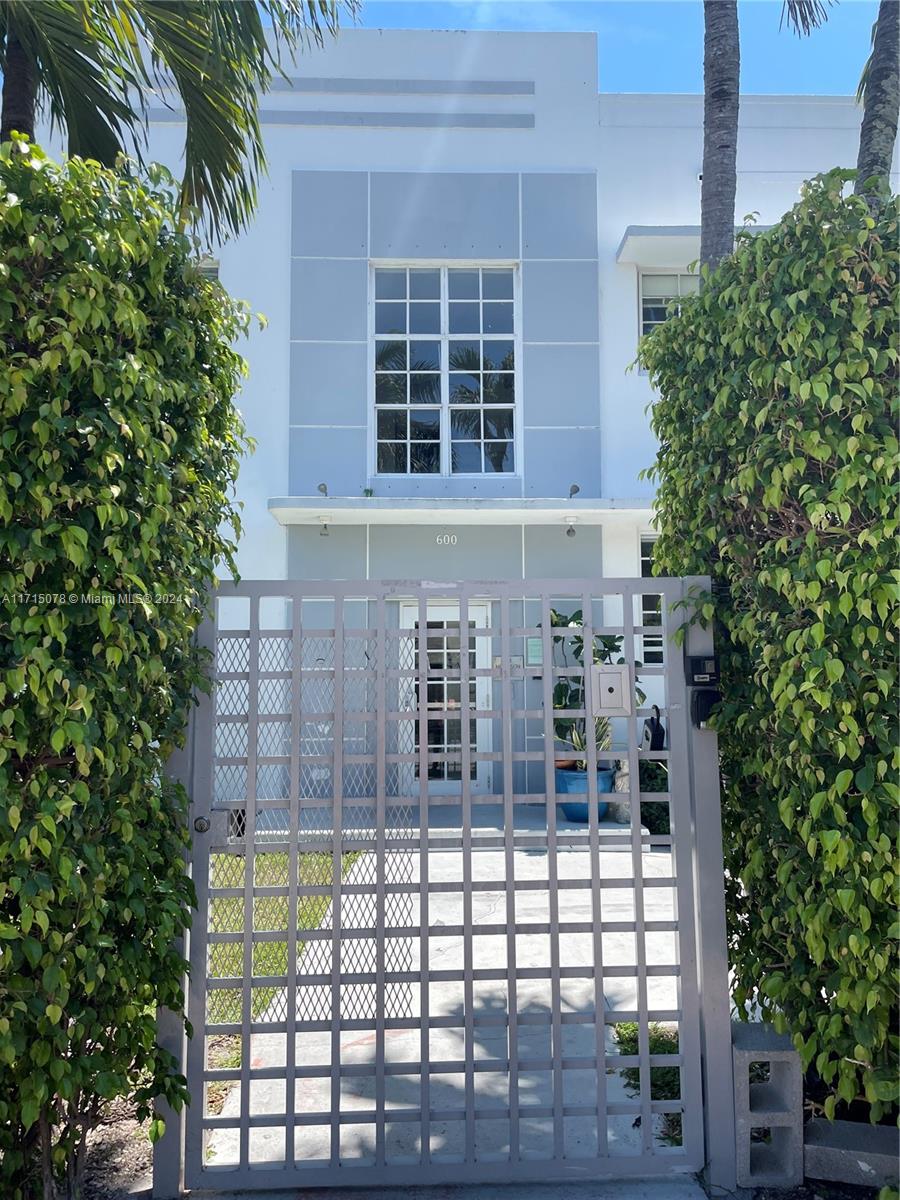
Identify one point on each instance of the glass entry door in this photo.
(445, 700)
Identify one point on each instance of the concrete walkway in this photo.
(448, 1045)
(686, 1188)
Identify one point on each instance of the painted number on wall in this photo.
(446, 539)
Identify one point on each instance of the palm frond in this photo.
(100, 62)
(867, 66)
(214, 54)
(82, 82)
(302, 23)
(803, 16)
(220, 55)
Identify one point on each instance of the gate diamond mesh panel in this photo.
(430, 947)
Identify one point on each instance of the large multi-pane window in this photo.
(658, 292)
(445, 394)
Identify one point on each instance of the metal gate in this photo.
(401, 974)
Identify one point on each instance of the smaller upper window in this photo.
(652, 651)
(658, 292)
(648, 541)
(208, 267)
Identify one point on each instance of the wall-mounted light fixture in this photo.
(574, 490)
(323, 488)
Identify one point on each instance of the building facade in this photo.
(457, 248)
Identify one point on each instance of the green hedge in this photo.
(118, 454)
(777, 471)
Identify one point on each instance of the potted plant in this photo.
(572, 733)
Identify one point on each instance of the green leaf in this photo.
(843, 781)
(830, 838)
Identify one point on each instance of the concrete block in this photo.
(774, 1104)
(847, 1152)
(761, 1040)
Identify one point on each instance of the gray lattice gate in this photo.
(408, 968)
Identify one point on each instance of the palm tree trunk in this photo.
(721, 87)
(881, 103)
(17, 107)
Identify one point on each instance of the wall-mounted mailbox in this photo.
(702, 670)
(612, 691)
(703, 701)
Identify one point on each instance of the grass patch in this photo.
(270, 914)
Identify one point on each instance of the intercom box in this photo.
(613, 691)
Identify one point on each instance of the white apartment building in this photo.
(457, 247)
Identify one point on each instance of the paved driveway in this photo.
(490, 1037)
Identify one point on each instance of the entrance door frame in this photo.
(480, 616)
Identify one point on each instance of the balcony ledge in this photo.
(468, 510)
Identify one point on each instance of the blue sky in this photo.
(657, 45)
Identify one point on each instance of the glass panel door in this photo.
(445, 701)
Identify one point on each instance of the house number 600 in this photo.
(446, 539)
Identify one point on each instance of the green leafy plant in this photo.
(777, 470)
(119, 449)
(665, 1082)
(568, 691)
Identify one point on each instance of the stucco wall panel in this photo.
(413, 552)
(330, 214)
(559, 215)
(562, 385)
(335, 457)
(340, 555)
(328, 299)
(560, 302)
(444, 215)
(557, 458)
(329, 383)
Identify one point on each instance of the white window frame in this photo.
(444, 337)
(208, 267)
(654, 643)
(645, 535)
(668, 271)
(480, 616)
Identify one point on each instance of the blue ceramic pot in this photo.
(575, 783)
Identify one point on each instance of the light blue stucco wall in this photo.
(414, 552)
(545, 222)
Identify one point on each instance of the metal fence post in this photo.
(712, 945)
(168, 1153)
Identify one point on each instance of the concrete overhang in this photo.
(469, 510)
(667, 247)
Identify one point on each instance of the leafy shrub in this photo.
(777, 419)
(654, 777)
(119, 449)
(665, 1082)
(662, 1040)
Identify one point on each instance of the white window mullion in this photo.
(445, 373)
(408, 381)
